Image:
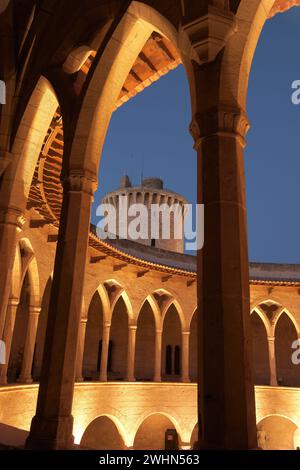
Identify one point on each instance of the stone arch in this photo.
(93, 338)
(155, 310)
(120, 321)
(260, 351)
(173, 301)
(291, 317)
(240, 49)
(171, 343)
(104, 432)
(151, 428)
(258, 311)
(104, 83)
(285, 335)
(145, 342)
(276, 432)
(27, 145)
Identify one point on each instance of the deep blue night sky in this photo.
(150, 134)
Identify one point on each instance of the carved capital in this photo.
(210, 32)
(80, 181)
(221, 120)
(12, 216)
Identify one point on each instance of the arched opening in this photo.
(171, 345)
(119, 341)
(194, 348)
(41, 332)
(157, 432)
(260, 351)
(276, 433)
(273, 231)
(285, 335)
(93, 340)
(145, 344)
(102, 434)
(19, 334)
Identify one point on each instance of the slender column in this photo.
(80, 350)
(272, 362)
(51, 428)
(33, 318)
(158, 346)
(104, 352)
(8, 335)
(185, 366)
(131, 353)
(11, 222)
(226, 389)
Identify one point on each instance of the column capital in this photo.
(13, 302)
(132, 327)
(107, 324)
(209, 33)
(80, 180)
(219, 120)
(12, 216)
(186, 333)
(271, 339)
(33, 310)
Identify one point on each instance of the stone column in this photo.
(131, 353)
(80, 351)
(33, 318)
(226, 389)
(104, 352)
(11, 222)
(272, 362)
(8, 335)
(51, 427)
(158, 346)
(185, 363)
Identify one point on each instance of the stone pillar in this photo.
(80, 350)
(33, 318)
(51, 427)
(185, 363)
(8, 335)
(104, 352)
(226, 388)
(131, 353)
(272, 362)
(11, 222)
(158, 346)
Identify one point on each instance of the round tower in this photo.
(164, 209)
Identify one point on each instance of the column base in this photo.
(25, 380)
(50, 434)
(130, 379)
(185, 380)
(3, 380)
(79, 379)
(157, 379)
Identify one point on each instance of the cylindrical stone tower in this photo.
(164, 226)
